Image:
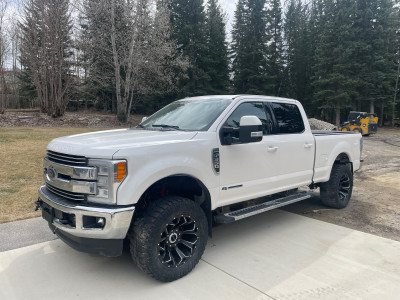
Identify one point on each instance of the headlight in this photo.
(110, 174)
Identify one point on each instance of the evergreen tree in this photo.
(188, 21)
(96, 54)
(249, 49)
(312, 37)
(217, 56)
(375, 34)
(275, 58)
(30, 35)
(334, 79)
(298, 53)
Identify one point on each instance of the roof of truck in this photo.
(239, 96)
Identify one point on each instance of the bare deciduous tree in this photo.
(135, 45)
(3, 51)
(45, 52)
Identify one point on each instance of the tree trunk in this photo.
(121, 104)
(395, 93)
(372, 106)
(381, 123)
(337, 121)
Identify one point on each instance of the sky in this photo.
(229, 7)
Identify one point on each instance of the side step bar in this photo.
(260, 208)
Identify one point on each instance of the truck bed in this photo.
(326, 132)
(329, 144)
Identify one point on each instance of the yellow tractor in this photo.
(362, 122)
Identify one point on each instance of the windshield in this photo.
(191, 115)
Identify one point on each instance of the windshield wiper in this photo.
(166, 126)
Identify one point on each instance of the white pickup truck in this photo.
(196, 162)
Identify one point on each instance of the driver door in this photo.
(245, 169)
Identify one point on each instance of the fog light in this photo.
(102, 193)
(100, 222)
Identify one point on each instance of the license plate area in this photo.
(47, 212)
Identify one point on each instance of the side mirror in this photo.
(144, 119)
(250, 130)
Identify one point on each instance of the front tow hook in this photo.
(38, 203)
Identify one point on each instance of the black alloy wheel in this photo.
(178, 241)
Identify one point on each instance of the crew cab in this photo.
(198, 161)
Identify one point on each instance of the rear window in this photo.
(288, 118)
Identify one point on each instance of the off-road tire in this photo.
(359, 130)
(337, 191)
(167, 223)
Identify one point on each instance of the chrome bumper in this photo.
(117, 220)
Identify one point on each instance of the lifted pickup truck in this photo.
(197, 161)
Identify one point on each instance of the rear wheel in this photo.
(337, 191)
(358, 130)
(169, 239)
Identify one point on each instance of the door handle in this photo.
(307, 145)
(272, 148)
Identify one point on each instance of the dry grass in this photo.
(21, 154)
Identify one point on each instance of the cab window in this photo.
(248, 109)
(288, 118)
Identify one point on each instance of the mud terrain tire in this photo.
(168, 240)
(337, 191)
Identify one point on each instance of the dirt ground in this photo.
(84, 119)
(375, 205)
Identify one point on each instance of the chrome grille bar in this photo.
(65, 194)
(74, 160)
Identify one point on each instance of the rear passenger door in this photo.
(290, 145)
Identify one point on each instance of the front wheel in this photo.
(169, 239)
(337, 191)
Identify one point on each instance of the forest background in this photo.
(135, 56)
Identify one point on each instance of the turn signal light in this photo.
(121, 172)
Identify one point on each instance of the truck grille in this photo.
(66, 194)
(66, 159)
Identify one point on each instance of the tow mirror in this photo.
(144, 119)
(250, 130)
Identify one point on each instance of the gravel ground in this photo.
(375, 204)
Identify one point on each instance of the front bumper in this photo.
(117, 220)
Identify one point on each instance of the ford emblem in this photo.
(51, 173)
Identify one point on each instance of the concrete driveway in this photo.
(275, 255)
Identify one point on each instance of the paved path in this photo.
(275, 255)
(23, 233)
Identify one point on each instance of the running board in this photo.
(260, 208)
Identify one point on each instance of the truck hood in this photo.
(104, 144)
